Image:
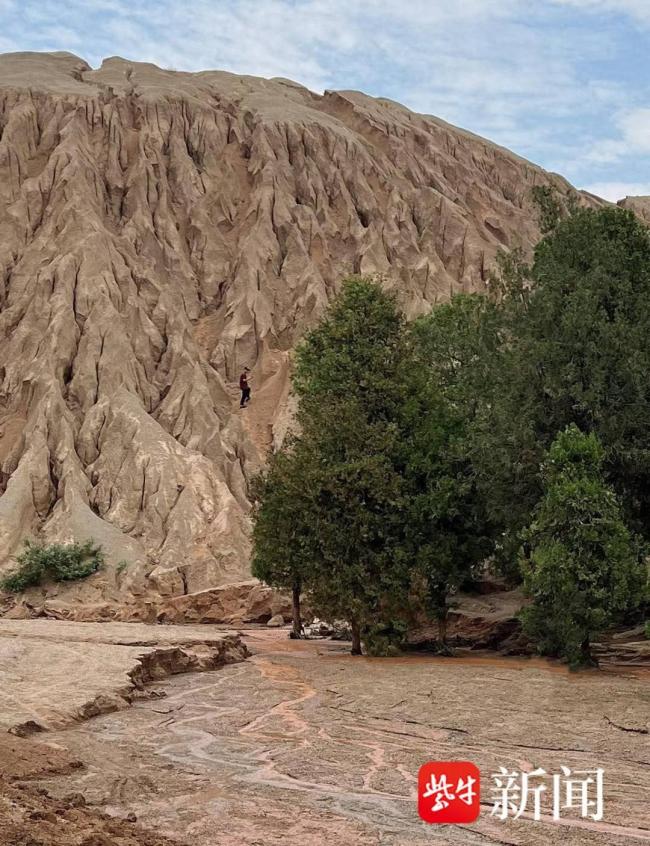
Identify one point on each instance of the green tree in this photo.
(574, 348)
(351, 386)
(283, 534)
(585, 570)
(376, 506)
(447, 521)
(553, 206)
(586, 337)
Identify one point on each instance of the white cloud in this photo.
(615, 191)
(482, 56)
(639, 10)
(530, 76)
(632, 140)
(604, 151)
(635, 127)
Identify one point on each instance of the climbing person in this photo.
(244, 388)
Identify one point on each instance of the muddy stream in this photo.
(304, 744)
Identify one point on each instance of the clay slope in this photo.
(158, 231)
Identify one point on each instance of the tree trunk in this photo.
(295, 602)
(442, 627)
(588, 659)
(356, 637)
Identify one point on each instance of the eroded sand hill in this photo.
(158, 231)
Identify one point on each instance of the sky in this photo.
(565, 83)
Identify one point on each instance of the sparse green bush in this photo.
(647, 629)
(61, 562)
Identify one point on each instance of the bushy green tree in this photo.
(585, 570)
(350, 383)
(586, 341)
(426, 444)
(548, 205)
(61, 562)
(552, 206)
(574, 347)
(446, 518)
(376, 505)
(283, 535)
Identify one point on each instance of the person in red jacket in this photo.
(244, 388)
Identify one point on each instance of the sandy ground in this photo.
(55, 673)
(304, 744)
(30, 816)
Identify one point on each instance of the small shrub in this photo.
(647, 629)
(385, 639)
(61, 562)
(121, 566)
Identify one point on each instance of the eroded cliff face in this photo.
(639, 205)
(159, 231)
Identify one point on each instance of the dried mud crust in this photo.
(30, 817)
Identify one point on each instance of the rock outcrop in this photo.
(639, 205)
(236, 604)
(160, 230)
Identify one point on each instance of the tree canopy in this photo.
(585, 570)
(423, 449)
(350, 384)
(576, 349)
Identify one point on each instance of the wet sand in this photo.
(303, 743)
